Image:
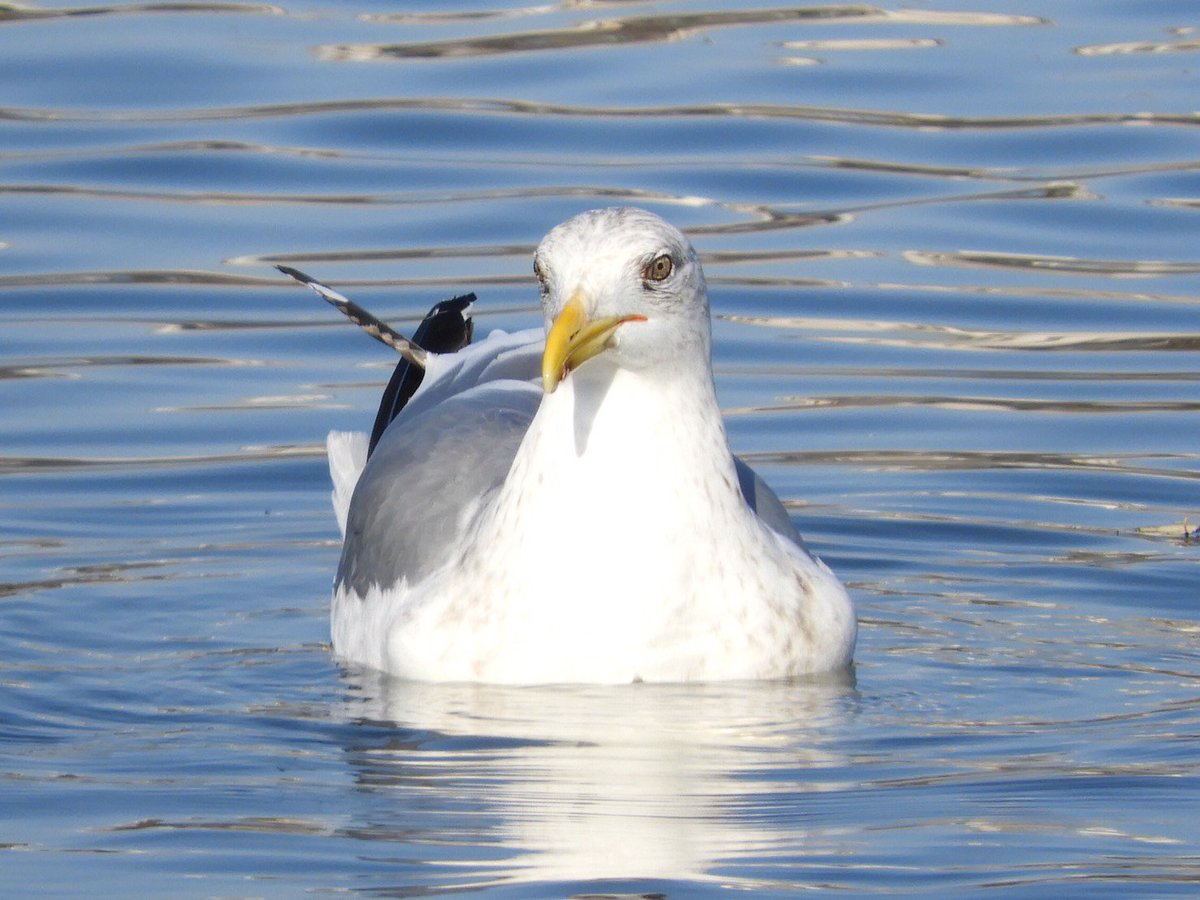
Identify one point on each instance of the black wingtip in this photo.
(445, 329)
(459, 304)
(296, 274)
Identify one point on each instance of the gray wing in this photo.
(427, 473)
(765, 503)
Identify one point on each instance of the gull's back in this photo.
(436, 463)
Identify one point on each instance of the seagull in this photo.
(561, 504)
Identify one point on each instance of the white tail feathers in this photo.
(347, 452)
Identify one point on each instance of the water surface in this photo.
(953, 265)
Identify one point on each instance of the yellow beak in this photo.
(574, 339)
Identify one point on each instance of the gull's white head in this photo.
(625, 283)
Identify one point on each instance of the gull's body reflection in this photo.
(585, 783)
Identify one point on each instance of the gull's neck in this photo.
(620, 466)
(615, 436)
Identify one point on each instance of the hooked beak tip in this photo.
(574, 338)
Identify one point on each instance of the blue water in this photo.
(952, 253)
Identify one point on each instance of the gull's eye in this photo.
(658, 270)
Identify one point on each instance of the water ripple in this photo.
(13, 465)
(929, 335)
(1139, 47)
(1062, 264)
(658, 29)
(216, 279)
(965, 403)
(591, 33)
(942, 461)
(482, 105)
(21, 12)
